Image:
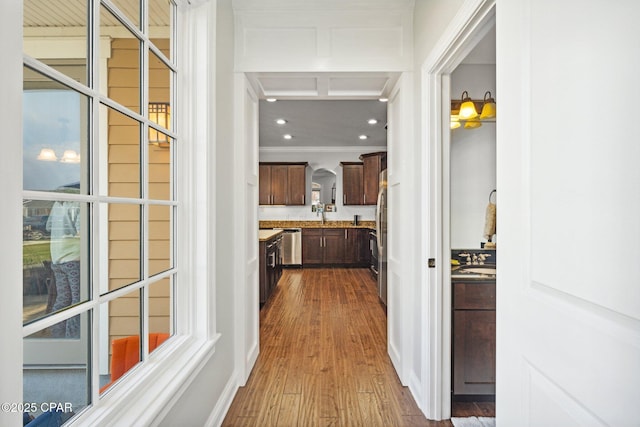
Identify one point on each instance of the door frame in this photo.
(474, 19)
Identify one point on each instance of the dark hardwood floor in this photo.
(323, 358)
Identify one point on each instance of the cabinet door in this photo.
(264, 279)
(279, 178)
(334, 245)
(474, 352)
(351, 247)
(264, 177)
(296, 185)
(364, 250)
(312, 246)
(352, 184)
(371, 177)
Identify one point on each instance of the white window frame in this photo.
(158, 383)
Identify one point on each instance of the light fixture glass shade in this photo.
(70, 156)
(472, 123)
(467, 108)
(47, 155)
(489, 107)
(454, 124)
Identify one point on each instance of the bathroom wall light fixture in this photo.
(467, 108)
(488, 107)
(461, 118)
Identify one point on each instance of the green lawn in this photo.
(34, 254)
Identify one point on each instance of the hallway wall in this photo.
(207, 396)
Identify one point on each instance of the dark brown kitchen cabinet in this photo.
(270, 266)
(474, 338)
(296, 181)
(372, 165)
(352, 185)
(331, 246)
(351, 246)
(282, 183)
(312, 246)
(364, 247)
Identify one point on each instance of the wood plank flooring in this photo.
(323, 358)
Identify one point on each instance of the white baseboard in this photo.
(216, 417)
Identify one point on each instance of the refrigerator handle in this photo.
(379, 206)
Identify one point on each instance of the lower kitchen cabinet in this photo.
(270, 266)
(474, 338)
(332, 246)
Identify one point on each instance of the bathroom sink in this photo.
(480, 270)
(486, 270)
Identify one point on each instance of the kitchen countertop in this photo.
(266, 235)
(316, 224)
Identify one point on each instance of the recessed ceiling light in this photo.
(372, 121)
(271, 100)
(383, 99)
(287, 136)
(363, 137)
(281, 121)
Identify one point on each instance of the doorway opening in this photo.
(439, 91)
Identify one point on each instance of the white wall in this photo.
(10, 214)
(320, 157)
(215, 385)
(473, 160)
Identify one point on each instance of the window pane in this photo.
(159, 92)
(160, 18)
(55, 268)
(40, 17)
(121, 319)
(160, 167)
(55, 130)
(123, 245)
(122, 163)
(123, 66)
(130, 8)
(160, 227)
(60, 381)
(160, 311)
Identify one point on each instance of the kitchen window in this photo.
(100, 206)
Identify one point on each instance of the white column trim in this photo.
(473, 20)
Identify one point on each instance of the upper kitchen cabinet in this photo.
(373, 164)
(352, 185)
(282, 183)
(360, 180)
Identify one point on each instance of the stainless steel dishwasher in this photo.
(292, 246)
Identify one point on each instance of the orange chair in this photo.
(125, 354)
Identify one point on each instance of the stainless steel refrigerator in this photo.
(381, 233)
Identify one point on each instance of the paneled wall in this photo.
(329, 36)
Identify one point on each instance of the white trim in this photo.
(219, 411)
(324, 149)
(472, 22)
(157, 385)
(11, 213)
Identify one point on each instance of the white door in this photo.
(568, 291)
(402, 287)
(246, 164)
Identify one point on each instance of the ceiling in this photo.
(332, 109)
(323, 123)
